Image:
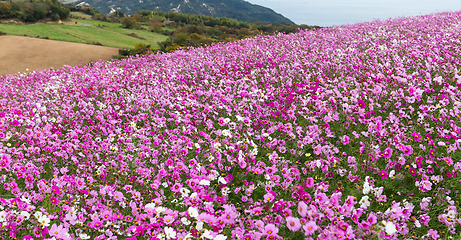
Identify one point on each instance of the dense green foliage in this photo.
(84, 9)
(34, 10)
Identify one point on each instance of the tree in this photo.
(128, 22)
(155, 24)
(137, 17)
(5, 9)
(180, 38)
(118, 14)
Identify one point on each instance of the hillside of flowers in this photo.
(349, 132)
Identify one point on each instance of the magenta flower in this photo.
(221, 121)
(293, 224)
(56, 190)
(140, 230)
(419, 161)
(387, 153)
(384, 174)
(361, 103)
(54, 200)
(412, 171)
(345, 139)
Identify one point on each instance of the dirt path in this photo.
(18, 53)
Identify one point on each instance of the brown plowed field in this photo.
(20, 53)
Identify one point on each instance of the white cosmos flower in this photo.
(193, 195)
(220, 237)
(170, 232)
(364, 202)
(185, 221)
(2, 216)
(199, 226)
(84, 236)
(25, 214)
(185, 192)
(391, 173)
(226, 133)
(193, 212)
(160, 209)
(366, 188)
(222, 180)
(204, 182)
(390, 228)
(207, 234)
(44, 220)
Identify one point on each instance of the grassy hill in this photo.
(87, 31)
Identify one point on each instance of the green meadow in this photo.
(87, 31)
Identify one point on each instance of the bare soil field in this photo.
(20, 53)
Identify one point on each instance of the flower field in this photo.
(349, 132)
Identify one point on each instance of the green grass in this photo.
(41, 30)
(80, 14)
(94, 23)
(111, 35)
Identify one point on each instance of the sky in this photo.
(338, 12)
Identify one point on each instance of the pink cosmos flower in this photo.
(321, 197)
(57, 231)
(433, 234)
(228, 217)
(425, 186)
(350, 202)
(270, 230)
(293, 224)
(310, 228)
(168, 219)
(448, 161)
(407, 150)
(302, 208)
(309, 182)
(371, 218)
(345, 139)
(268, 197)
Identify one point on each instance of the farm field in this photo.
(348, 132)
(87, 31)
(20, 53)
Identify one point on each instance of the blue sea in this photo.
(339, 12)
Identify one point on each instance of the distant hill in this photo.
(236, 9)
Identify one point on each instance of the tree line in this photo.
(34, 10)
